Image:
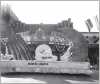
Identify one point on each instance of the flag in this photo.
(97, 22)
(89, 24)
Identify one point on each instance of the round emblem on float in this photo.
(44, 53)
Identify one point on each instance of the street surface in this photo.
(34, 78)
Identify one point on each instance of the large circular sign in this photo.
(44, 53)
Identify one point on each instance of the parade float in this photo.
(41, 48)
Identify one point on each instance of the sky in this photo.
(52, 12)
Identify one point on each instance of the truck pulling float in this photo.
(50, 48)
